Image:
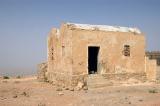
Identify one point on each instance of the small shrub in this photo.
(18, 77)
(153, 91)
(5, 77)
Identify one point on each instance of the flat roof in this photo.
(104, 28)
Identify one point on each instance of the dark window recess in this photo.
(52, 50)
(126, 51)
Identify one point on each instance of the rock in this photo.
(15, 96)
(3, 98)
(25, 94)
(60, 93)
(41, 104)
(67, 88)
(140, 100)
(71, 89)
(79, 86)
(85, 88)
(59, 89)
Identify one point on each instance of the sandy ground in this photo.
(29, 92)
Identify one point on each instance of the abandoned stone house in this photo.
(76, 51)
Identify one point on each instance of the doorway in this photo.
(92, 59)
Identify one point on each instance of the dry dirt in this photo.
(29, 92)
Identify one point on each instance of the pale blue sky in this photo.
(24, 25)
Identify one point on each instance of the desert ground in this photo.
(27, 91)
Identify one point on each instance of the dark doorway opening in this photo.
(92, 59)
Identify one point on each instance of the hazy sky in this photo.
(24, 25)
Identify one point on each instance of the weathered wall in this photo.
(68, 54)
(41, 72)
(60, 56)
(111, 58)
(151, 69)
(158, 72)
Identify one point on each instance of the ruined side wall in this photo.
(111, 58)
(151, 69)
(52, 56)
(59, 68)
(41, 71)
(158, 72)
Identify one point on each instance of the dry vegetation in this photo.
(29, 92)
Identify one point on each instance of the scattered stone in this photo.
(153, 91)
(41, 104)
(85, 88)
(59, 89)
(71, 89)
(126, 98)
(79, 86)
(3, 98)
(129, 102)
(60, 93)
(67, 88)
(140, 100)
(15, 96)
(25, 94)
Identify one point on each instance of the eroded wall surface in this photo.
(158, 72)
(151, 69)
(68, 54)
(60, 56)
(111, 59)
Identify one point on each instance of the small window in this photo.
(126, 51)
(52, 53)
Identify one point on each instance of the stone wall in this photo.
(126, 76)
(154, 55)
(158, 72)
(41, 72)
(68, 54)
(151, 69)
(111, 59)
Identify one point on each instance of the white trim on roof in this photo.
(105, 28)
